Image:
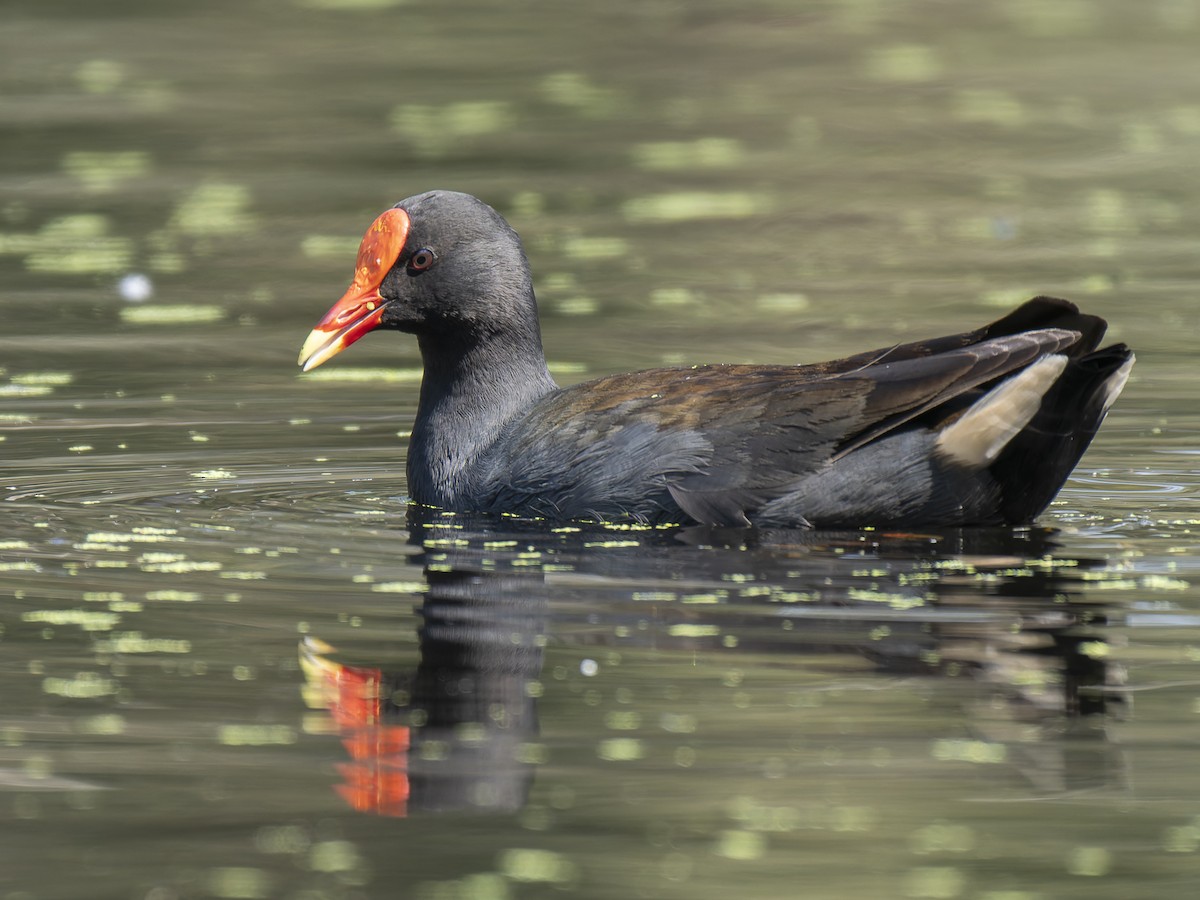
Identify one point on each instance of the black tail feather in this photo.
(1036, 463)
(1051, 312)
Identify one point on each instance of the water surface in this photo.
(236, 666)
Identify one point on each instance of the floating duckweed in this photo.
(239, 883)
(576, 306)
(740, 845)
(567, 368)
(435, 130)
(532, 754)
(167, 263)
(1049, 20)
(213, 474)
(779, 595)
(1164, 583)
(895, 601)
(168, 596)
(943, 837)
(108, 724)
(77, 245)
(181, 567)
(1005, 298)
(781, 303)
(160, 557)
(595, 247)
(672, 297)
(399, 587)
(38, 766)
(51, 378)
(137, 535)
(100, 76)
(687, 630)
(962, 750)
(288, 839)
(25, 390)
(1141, 137)
(18, 244)
(214, 210)
(14, 545)
(988, 106)
(135, 642)
(1106, 212)
(689, 205)
(447, 542)
(654, 596)
(172, 314)
(84, 686)
(326, 247)
(1182, 839)
(705, 153)
(754, 816)
(1089, 861)
(363, 374)
(712, 597)
(536, 688)
(478, 117)
(575, 90)
(1185, 119)
(623, 720)
(677, 723)
(81, 448)
(334, 856)
(934, 882)
(620, 749)
(255, 735)
(88, 620)
(1109, 583)
(536, 866)
(100, 171)
(910, 63)
(558, 283)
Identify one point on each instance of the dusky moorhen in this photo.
(979, 428)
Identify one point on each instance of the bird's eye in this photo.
(421, 260)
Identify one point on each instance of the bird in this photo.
(980, 428)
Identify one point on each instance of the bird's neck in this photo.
(470, 391)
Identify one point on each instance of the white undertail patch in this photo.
(984, 430)
(1115, 383)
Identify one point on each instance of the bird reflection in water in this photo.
(459, 732)
(451, 733)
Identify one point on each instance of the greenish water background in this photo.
(858, 715)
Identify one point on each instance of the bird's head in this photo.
(442, 265)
